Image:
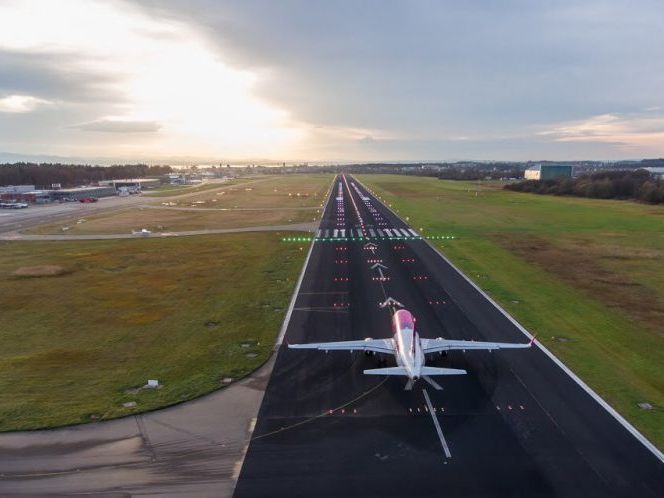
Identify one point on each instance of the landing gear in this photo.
(380, 358)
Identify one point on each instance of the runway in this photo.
(517, 425)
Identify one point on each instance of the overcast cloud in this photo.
(346, 80)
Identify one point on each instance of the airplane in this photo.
(409, 350)
(143, 232)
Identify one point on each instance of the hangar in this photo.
(548, 171)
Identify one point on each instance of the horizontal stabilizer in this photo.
(387, 371)
(442, 371)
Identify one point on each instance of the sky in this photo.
(314, 80)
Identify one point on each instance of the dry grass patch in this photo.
(581, 267)
(40, 271)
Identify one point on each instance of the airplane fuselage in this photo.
(408, 348)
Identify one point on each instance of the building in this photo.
(548, 171)
(656, 172)
(132, 183)
(17, 189)
(178, 179)
(81, 192)
(31, 197)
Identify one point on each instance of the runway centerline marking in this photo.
(432, 412)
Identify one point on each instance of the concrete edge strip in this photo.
(630, 428)
(296, 292)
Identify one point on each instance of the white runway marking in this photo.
(443, 442)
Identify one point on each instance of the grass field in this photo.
(267, 200)
(272, 192)
(85, 324)
(172, 220)
(586, 275)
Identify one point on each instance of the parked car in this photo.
(87, 199)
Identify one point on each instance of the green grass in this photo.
(590, 271)
(121, 312)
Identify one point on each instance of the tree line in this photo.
(70, 175)
(637, 185)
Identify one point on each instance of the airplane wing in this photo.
(376, 345)
(440, 344)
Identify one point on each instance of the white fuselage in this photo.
(408, 349)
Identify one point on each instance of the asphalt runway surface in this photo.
(517, 425)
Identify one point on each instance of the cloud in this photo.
(120, 126)
(628, 130)
(21, 103)
(439, 68)
(432, 79)
(618, 135)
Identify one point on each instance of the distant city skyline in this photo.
(209, 81)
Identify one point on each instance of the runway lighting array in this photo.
(439, 237)
(297, 239)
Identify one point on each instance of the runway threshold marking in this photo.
(432, 412)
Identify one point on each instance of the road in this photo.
(20, 219)
(519, 424)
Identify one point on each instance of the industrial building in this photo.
(107, 188)
(81, 192)
(548, 171)
(132, 183)
(17, 189)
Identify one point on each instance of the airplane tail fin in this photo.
(442, 371)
